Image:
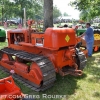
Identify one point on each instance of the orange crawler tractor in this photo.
(36, 57)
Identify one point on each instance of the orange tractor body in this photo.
(38, 56)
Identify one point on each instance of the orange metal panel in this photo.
(8, 88)
(56, 38)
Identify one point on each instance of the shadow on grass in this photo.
(64, 85)
(96, 94)
(93, 68)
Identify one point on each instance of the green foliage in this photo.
(15, 8)
(4, 6)
(56, 12)
(34, 9)
(65, 14)
(88, 8)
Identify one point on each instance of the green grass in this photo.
(85, 87)
(3, 44)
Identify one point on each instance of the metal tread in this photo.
(82, 60)
(46, 66)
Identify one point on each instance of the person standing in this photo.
(89, 38)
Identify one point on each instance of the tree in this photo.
(4, 5)
(88, 8)
(65, 14)
(56, 12)
(48, 14)
(15, 8)
(87, 15)
(20, 5)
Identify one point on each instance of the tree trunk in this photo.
(48, 14)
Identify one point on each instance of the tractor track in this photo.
(81, 60)
(46, 66)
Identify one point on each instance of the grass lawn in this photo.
(85, 87)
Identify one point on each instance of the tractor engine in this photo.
(37, 56)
